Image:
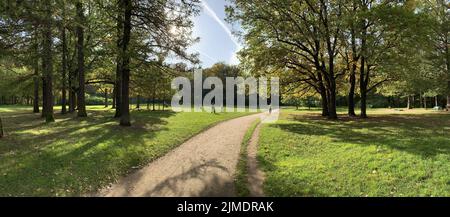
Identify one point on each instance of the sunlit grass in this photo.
(393, 153)
(74, 156)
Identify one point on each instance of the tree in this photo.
(302, 35)
(165, 31)
(47, 62)
(63, 60)
(125, 64)
(80, 59)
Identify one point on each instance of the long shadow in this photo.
(75, 154)
(422, 135)
(213, 185)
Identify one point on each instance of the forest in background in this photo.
(327, 53)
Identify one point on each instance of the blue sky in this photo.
(217, 44)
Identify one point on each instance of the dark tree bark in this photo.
(64, 67)
(351, 94)
(36, 78)
(125, 108)
(114, 97)
(425, 102)
(1, 128)
(332, 103)
(408, 105)
(118, 84)
(420, 100)
(80, 59)
(106, 97)
(44, 94)
(138, 102)
(47, 63)
(323, 94)
(363, 88)
(448, 102)
(72, 96)
(153, 100)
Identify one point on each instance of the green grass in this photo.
(393, 153)
(241, 181)
(75, 156)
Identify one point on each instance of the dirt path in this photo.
(202, 166)
(255, 175)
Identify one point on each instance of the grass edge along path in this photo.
(241, 180)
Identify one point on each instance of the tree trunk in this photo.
(118, 84)
(425, 102)
(106, 97)
(436, 101)
(44, 93)
(114, 97)
(64, 66)
(323, 94)
(408, 105)
(1, 128)
(80, 51)
(47, 63)
(363, 88)
(36, 91)
(332, 113)
(420, 100)
(153, 101)
(148, 103)
(72, 97)
(138, 102)
(351, 94)
(36, 76)
(125, 109)
(448, 102)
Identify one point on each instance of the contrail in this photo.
(213, 15)
(206, 55)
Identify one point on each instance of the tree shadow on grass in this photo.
(422, 135)
(75, 154)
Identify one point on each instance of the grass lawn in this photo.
(74, 156)
(393, 153)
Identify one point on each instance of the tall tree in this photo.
(36, 74)
(80, 60)
(306, 33)
(125, 66)
(118, 82)
(47, 62)
(63, 61)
